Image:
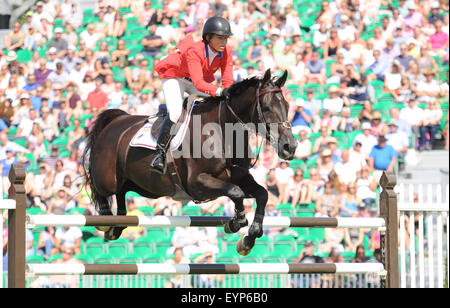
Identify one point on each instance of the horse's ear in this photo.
(266, 77)
(282, 80)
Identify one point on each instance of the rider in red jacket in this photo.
(191, 69)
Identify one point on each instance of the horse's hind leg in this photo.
(113, 233)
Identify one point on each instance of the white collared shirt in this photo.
(212, 55)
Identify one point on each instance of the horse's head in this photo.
(272, 110)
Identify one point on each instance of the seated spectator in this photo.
(379, 67)
(46, 243)
(133, 233)
(398, 140)
(59, 43)
(325, 164)
(167, 206)
(271, 211)
(413, 115)
(304, 147)
(273, 187)
(405, 91)
(360, 256)
(366, 114)
(428, 89)
(97, 98)
(333, 240)
(152, 43)
(393, 80)
(118, 27)
(65, 281)
(68, 238)
(298, 190)
(322, 141)
(404, 58)
(307, 256)
(439, 41)
(378, 127)
(334, 103)
(311, 103)
(119, 57)
(205, 280)
(332, 44)
(315, 70)
(431, 124)
(90, 36)
(209, 207)
(59, 205)
(346, 169)
(301, 117)
(14, 40)
(347, 123)
(354, 237)
(327, 203)
(349, 202)
(383, 157)
(256, 51)
(367, 185)
(366, 139)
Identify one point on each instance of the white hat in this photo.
(52, 50)
(411, 5)
(11, 56)
(25, 95)
(299, 102)
(366, 125)
(59, 30)
(435, 5)
(275, 31)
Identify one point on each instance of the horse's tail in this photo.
(100, 123)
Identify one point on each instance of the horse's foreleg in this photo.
(207, 185)
(253, 190)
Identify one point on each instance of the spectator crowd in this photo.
(368, 84)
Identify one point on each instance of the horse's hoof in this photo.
(103, 229)
(227, 228)
(244, 246)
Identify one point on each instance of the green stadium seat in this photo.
(54, 257)
(118, 248)
(153, 258)
(143, 246)
(35, 259)
(103, 258)
(130, 259)
(94, 246)
(83, 258)
(191, 210)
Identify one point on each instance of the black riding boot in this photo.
(158, 163)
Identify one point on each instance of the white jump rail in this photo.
(194, 269)
(185, 221)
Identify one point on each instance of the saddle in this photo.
(162, 113)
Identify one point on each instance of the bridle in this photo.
(262, 119)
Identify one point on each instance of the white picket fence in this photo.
(423, 235)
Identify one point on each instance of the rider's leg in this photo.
(173, 94)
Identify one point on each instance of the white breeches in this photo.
(173, 90)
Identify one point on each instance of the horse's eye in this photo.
(266, 109)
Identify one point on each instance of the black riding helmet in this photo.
(216, 25)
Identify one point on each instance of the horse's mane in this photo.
(236, 89)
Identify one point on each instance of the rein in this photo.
(286, 124)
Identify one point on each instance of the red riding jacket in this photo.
(191, 60)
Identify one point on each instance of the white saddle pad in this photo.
(144, 138)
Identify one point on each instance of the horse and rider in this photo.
(114, 168)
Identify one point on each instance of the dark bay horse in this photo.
(114, 168)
